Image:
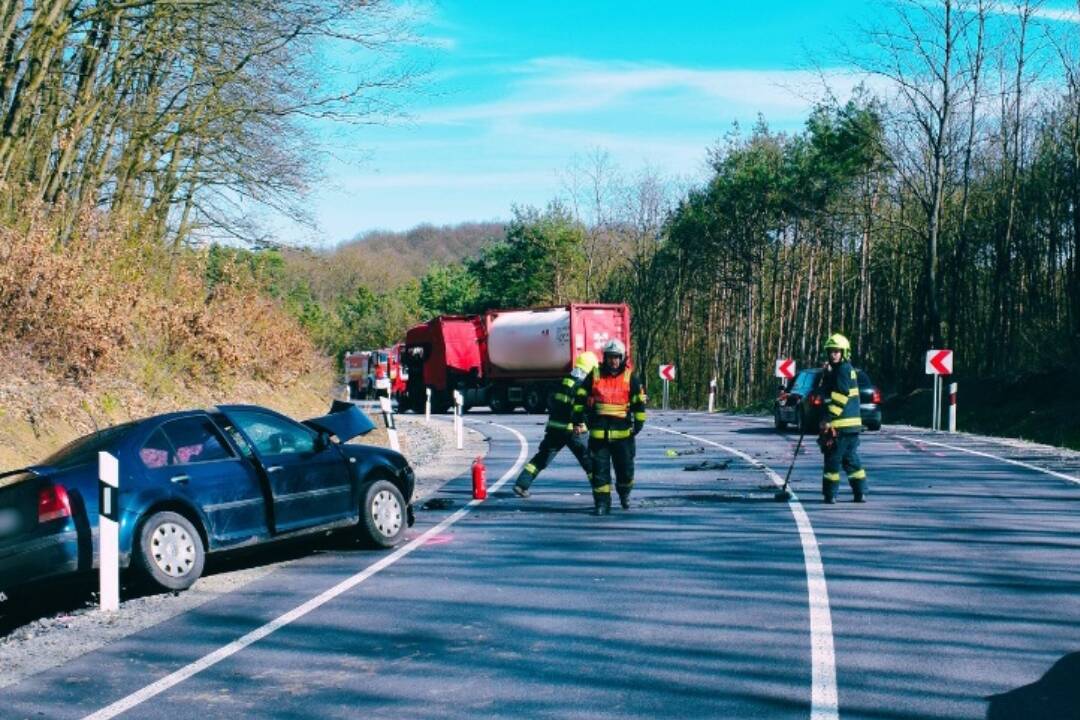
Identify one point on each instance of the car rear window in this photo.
(864, 379)
(85, 449)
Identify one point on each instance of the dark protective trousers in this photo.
(552, 443)
(845, 453)
(606, 453)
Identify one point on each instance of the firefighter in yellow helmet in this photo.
(565, 426)
(842, 422)
(616, 412)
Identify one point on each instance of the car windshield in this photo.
(85, 449)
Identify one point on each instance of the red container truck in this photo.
(505, 358)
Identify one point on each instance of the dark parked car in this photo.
(200, 481)
(802, 403)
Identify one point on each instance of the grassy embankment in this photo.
(103, 327)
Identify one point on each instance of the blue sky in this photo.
(515, 90)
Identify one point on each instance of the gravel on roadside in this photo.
(37, 634)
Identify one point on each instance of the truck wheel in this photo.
(440, 402)
(534, 400)
(382, 514)
(498, 402)
(171, 551)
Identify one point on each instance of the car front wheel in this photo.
(171, 551)
(383, 514)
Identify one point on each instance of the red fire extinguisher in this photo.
(479, 479)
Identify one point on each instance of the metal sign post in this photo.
(388, 419)
(458, 424)
(667, 374)
(109, 531)
(938, 363)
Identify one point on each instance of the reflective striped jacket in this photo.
(606, 426)
(566, 406)
(840, 387)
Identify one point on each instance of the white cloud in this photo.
(566, 86)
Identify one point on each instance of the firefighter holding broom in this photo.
(842, 423)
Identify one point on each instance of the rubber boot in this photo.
(828, 491)
(624, 499)
(601, 504)
(858, 488)
(521, 485)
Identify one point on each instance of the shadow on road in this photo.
(1055, 695)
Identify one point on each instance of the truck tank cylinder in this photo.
(530, 341)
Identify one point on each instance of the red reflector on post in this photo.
(53, 503)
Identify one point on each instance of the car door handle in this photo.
(180, 479)
(274, 469)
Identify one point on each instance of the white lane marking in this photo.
(169, 681)
(1029, 466)
(824, 703)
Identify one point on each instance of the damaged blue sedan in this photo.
(202, 481)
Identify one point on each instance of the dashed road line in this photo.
(222, 653)
(824, 703)
(1018, 463)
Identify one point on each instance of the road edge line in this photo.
(1018, 463)
(824, 698)
(191, 669)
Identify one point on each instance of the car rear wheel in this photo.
(383, 514)
(171, 551)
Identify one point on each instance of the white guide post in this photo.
(427, 405)
(388, 419)
(458, 425)
(952, 407)
(109, 531)
(712, 394)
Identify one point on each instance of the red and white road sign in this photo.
(667, 372)
(939, 362)
(785, 368)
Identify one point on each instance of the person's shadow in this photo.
(1056, 695)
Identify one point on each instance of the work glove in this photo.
(826, 437)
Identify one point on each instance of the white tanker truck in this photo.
(505, 358)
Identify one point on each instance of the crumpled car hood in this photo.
(345, 421)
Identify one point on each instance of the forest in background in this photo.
(939, 206)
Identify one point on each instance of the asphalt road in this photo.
(953, 593)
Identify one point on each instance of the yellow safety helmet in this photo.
(586, 361)
(837, 341)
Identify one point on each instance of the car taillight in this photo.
(815, 399)
(877, 395)
(53, 504)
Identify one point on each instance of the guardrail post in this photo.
(388, 419)
(109, 531)
(952, 407)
